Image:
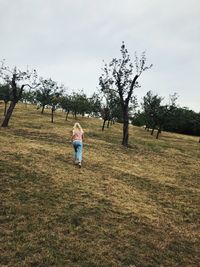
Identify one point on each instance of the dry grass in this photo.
(125, 207)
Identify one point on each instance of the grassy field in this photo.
(124, 208)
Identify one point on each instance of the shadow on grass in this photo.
(47, 225)
(182, 201)
(39, 136)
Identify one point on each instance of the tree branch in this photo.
(131, 89)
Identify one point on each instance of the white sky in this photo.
(68, 39)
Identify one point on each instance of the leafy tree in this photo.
(5, 95)
(49, 93)
(44, 92)
(79, 104)
(83, 104)
(151, 106)
(157, 115)
(109, 109)
(139, 118)
(184, 121)
(118, 77)
(162, 117)
(167, 117)
(113, 103)
(66, 104)
(28, 96)
(95, 104)
(55, 100)
(17, 80)
(166, 114)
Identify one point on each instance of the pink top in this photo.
(77, 135)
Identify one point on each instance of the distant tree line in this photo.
(50, 95)
(168, 117)
(25, 86)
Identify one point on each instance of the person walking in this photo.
(77, 139)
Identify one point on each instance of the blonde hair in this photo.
(78, 127)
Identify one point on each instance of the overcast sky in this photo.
(68, 39)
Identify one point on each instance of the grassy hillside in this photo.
(125, 207)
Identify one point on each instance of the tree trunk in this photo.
(5, 108)
(67, 115)
(158, 132)
(125, 127)
(152, 131)
(52, 111)
(108, 124)
(42, 111)
(9, 113)
(104, 121)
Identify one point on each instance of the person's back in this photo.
(77, 138)
(77, 135)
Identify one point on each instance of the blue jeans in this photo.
(78, 146)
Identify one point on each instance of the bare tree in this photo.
(118, 76)
(18, 80)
